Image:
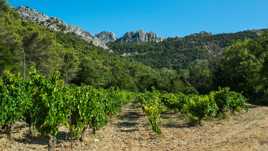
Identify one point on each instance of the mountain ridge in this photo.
(56, 24)
(147, 47)
(103, 38)
(139, 36)
(99, 39)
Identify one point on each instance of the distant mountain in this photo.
(139, 37)
(106, 37)
(56, 24)
(100, 39)
(178, 52)
(147, 47)
(58, 47)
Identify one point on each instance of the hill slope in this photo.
(24, 43)
(177, 53)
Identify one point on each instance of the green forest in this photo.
(51, 79)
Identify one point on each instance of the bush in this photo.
(173, 101)
(199, 107)
(15, 100)
(151, 105)
(227, 100)
(87, 109)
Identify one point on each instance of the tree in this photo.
(241, 67)
(10, 49)
(93, 71)
(70, 67)
(3, 5)
(200, 75)
(42, 51)
(244, 67)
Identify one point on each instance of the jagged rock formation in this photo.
(100, 39)
(56, 24)
(106, 37)
(140, 37)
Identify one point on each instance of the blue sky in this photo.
(165, 17)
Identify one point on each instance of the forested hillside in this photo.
(179, 52)
(24, 43)
(197, 57)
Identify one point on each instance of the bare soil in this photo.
(130, 132)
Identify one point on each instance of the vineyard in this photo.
(47, 103)
(65, 88)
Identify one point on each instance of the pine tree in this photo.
(3, 5)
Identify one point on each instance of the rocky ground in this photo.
(131, 132)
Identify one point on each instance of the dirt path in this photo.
(131, 132)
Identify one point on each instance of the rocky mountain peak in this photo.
(100, 39)
(140, 36)
(106, 37)
(56, 24)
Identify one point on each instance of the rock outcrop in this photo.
(106, 37)
(100, 39)
(140, 37)
(56, 24)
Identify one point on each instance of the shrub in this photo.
(173, 101)
(15, 100)
(151, 105)
(227, 100)
(199, 107)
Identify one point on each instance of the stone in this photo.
(106, 37)
(55, 24)
(140, 37)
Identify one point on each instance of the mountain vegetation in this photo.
(24, 44)
(207, 61)
(179, 52)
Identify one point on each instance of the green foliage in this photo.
(264, 74)
(96, 109)
(86, 109)
(44, 101)
(41, 49)
(114, 99)
(49, 110)
(200, 75)
(204, 58)
(92, 107)
(151, 105)
(243, 68)
(70, 67)
(174, 101)
(179, 52)
(199, 107)
(3, 5)
(10, 42)
(228, 101)
(14, 97)
(47, 103)
(244, 63)
(195, 107)
(24, 43)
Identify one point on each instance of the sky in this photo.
(167, 18)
